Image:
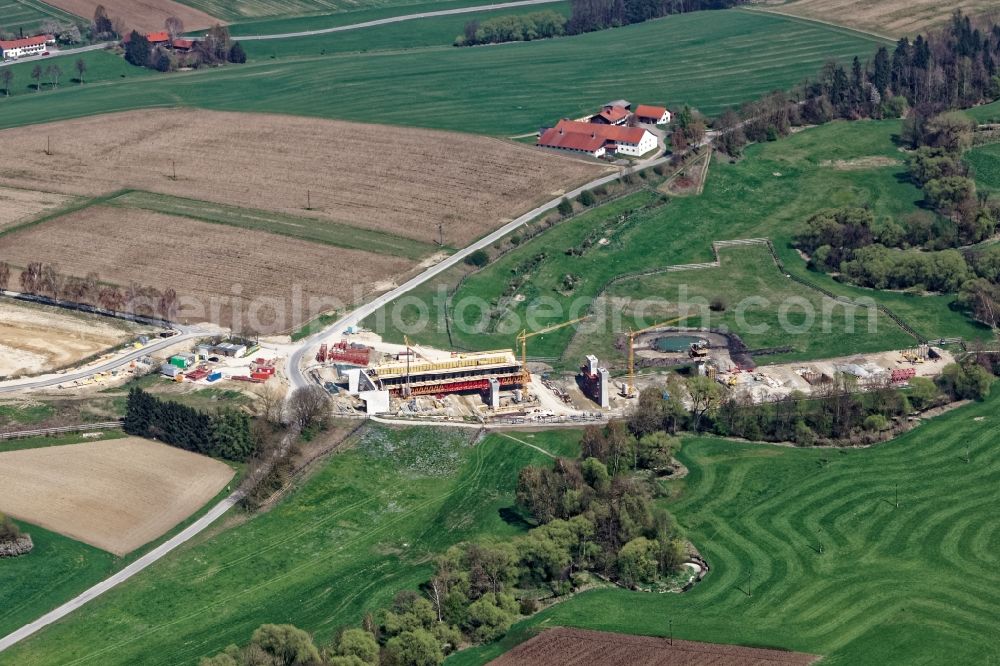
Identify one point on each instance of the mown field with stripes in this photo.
(29, 14)
(809, 551)
(710, 60)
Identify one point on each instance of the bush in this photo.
(876, 423)
(565, 207)
(8, 530)
(586, 198)
(479, 258)
(718, 304)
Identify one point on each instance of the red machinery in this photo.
(900, 375)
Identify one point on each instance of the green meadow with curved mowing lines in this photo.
(809, 551)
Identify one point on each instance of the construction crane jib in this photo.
(522, 339)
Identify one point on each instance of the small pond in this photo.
(675, 343)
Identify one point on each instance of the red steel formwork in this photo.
(460, 386)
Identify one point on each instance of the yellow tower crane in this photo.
(522, 339)
(630, 387)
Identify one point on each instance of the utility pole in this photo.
(897, 495)
(48, 144)
(440, 234)
(173, 166)
(750, 582)
(671, 632)
(309, 200)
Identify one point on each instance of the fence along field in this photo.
(141, 15)
(116, 495)
(208, 262)
(400, 181)
(710, 60)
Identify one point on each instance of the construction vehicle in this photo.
(628, 390)
(522, 339)
(698, 349)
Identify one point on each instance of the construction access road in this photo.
(306, 348)
(185, 333)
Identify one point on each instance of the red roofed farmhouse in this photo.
(596, 139)
(652, 115)
(611, 115)
(579, 140)
(16, 48)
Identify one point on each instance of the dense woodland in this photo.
(225, 434)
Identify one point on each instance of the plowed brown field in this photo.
(141, 15)
(566, 647)
(116, 495)
(399, 180)
(894, 18)
(20, 205)
(251, 280)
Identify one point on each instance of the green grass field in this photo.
(362, 528)
(57, 569)
(987, 113)
(301, 13)
(27, 15)
(102, 67)
(769, 193)
(985, 163)
(430, 32)
(727, 58)
(276, 25)
(747, 274)
(317, 231)
(917, 584)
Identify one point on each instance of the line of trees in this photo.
(225, 434)
(41, 279)
(585, 16)
(837, 412)
(513, 28)
(591, 15)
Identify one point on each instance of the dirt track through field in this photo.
(34, 339)
(116, 495)
(398, 180)
(141, 15)
(572, 647)
(252, 280)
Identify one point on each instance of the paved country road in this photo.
(46, 381)
(396, 19)
(146, 560)
(302, 351)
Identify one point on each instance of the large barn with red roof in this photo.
(597, 139)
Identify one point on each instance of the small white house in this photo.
(652, 115)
